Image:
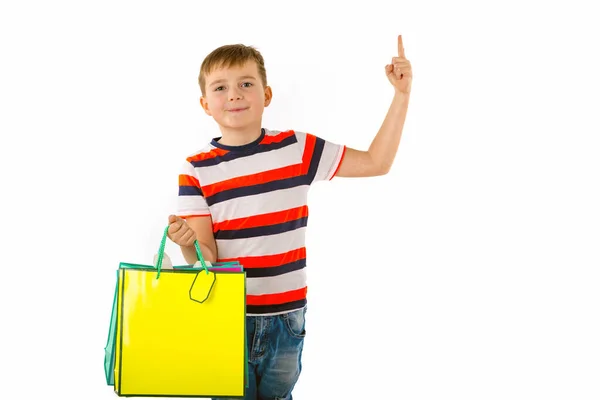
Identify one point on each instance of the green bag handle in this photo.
(161, 253)
(201, 286)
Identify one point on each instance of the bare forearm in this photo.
(189, 253)
(384, 147)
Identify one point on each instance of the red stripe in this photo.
(206, 156)
(186, 180)
(340, 163)
(309, 149)
(278, 298)
(273, 218)
(277, 138)
(273, 260)
(253, 179)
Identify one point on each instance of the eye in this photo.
(247, 83)
(218, 88)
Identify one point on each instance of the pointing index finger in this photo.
(400, 47)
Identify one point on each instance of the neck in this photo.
(239, 137)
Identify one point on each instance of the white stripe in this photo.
(188, 169)
(262, 203)
(276, 284)
(254, 164)
(330, 159)
(263, 245)
(301, 136)
(191, 205)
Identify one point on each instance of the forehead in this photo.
(233, 72)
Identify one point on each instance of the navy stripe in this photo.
(261, 230)
(190, 191)
(275, 271)
(315, 159)
(216, 142)
(261, 148)
(286, 183)
(275, 308)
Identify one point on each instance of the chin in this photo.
(233, 126)
(246, 122)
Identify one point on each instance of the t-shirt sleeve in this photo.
(190, 200)
(321, 159)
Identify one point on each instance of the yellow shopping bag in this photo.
(180, 331)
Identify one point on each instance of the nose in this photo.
(234, 93)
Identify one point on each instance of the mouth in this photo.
(236, 110)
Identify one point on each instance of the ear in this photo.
(204, 104)
(268, 95)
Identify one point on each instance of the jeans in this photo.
(275, 344)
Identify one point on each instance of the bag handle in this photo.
(161, 253)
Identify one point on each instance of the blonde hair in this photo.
(231, 55)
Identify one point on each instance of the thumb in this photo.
(173, 219)
(389, 69)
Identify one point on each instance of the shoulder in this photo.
(284, 138)
(272, 135)
(206, 152)
(196, 159)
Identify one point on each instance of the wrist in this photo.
(402, 96)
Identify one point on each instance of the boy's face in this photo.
(235, 97)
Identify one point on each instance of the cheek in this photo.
(216, 104)
(257, 99)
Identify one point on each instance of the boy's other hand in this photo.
(399, 72)
(180, 232)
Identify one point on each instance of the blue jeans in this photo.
(275, 344)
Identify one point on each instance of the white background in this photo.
(470, 271)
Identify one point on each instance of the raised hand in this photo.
(399, 72)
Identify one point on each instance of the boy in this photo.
(243, 197)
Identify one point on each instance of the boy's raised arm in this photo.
(381, 154)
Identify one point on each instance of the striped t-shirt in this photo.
(257, 195)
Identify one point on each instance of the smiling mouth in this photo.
(237, 109)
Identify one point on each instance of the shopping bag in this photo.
(179, 331)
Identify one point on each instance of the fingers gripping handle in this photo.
(161, 256)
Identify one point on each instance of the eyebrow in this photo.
(224, 80)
